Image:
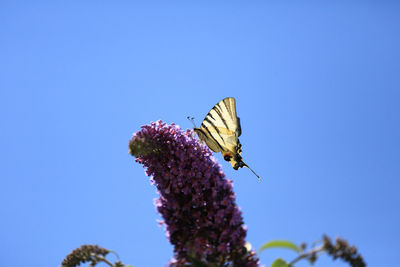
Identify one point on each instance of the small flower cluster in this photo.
(341, 249)
(86, 253)
(196, 202)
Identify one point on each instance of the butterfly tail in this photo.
(252, 171)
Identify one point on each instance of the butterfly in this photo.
(220, 130)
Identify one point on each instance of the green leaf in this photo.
(279, 244)
(280, 263)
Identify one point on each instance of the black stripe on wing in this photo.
(230, 106)
(218, 109)
(213, 126)
(212, 137)
(210, 115)
(227, 102)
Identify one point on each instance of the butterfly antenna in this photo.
(252, 171)
(192, 120)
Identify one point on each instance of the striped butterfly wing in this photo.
(220, 130)
(222, 127)
(205, 137)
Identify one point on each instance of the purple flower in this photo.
(196, 202)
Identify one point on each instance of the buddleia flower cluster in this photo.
(86, 253)
(196, 201)
(342, 250)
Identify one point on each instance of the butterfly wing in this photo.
(220, 130)
(222, 126)
(207, 138)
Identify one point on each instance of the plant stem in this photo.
(105, 261)
(308, 254)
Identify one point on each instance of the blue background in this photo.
(317, 89)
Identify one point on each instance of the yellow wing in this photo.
(222, 126)
(220, 130)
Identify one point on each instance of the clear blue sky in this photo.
(317, 89)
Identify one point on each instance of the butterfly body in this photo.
(220, 130)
